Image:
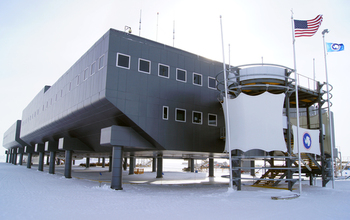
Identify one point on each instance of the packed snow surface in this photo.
(32, 194)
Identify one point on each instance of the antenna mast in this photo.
(173, 33)
(140, 23)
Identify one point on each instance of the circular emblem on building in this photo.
(307, 141)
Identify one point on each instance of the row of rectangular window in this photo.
(197, 117)
(144, 66)
(77, 79)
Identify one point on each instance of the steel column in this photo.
(154, 164)
(110, 163)
(11, 156)
(103, 162)
(7, 157)
(131, 165)
(87, 162)
(125, 164)
(289, 161)
(29, 161)
(117, 172)
(20, 158)
(159, 167)
(308, 117)
(211, 167)
(52, 162)
(41, 161)
(68, 164)
(15, 158)
(192, 165)
(236, 169)
(320, 122)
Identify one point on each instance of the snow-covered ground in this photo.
(31, 194)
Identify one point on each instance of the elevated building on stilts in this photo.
(129, 97)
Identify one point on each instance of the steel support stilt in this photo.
(117, 172)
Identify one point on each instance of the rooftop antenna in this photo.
(157, 26)
(140, 23)
(262, 60)
(174, 33)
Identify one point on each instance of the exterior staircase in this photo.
(272, 177)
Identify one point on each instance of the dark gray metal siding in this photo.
(127, 97)
(11, 136)
(141, 96)
(47, 117)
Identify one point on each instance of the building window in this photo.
(163, 70)
(123, 61)
(165, 112)
(196, 117)
(144, 66)
(77, 80)
(197, 79)
(211, 82)
(86, 73)
(212, 120)
(100, 62)
(70, 86)
(181, 75)
(93, 68)
(180, 115)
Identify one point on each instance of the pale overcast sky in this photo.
(41, 39)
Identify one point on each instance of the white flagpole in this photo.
(314, 73)
(297, 107)
(227, 123)
(329, 106)
(229, 56)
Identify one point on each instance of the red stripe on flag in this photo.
(312, 27)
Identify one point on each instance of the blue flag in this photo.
(333, 47)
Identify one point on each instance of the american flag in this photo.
(307, 28)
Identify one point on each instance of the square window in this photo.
(86, 73)
(100, 62)
(196, 117)
(123, 61)
(93, 68)
(197, 79)
(180, 115)
(163, 70)
(212, 120)
(211, 82)
(165, 112)
(181, 75)
(144, 66)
